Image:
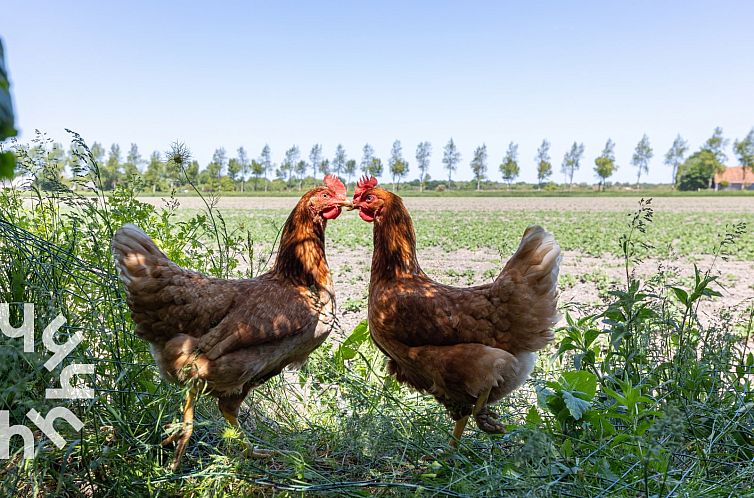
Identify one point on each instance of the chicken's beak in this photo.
(351, 206)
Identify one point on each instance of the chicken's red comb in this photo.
(364, 185)
(335, 184)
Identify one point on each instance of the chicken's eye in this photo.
(325, 196)
(370, 198)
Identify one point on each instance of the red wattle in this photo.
(331, 213)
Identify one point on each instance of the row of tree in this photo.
(241, 172)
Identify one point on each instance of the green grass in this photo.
(636, 397)
(593, 233)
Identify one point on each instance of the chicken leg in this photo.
(184, 434)
(481, 401)
(230, 413)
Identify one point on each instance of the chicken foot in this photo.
(487, 421)
(250, 451)
(187, 428)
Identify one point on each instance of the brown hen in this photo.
(468, 347)
(224, 337)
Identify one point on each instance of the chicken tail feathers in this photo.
(135, 255)
(529, 286)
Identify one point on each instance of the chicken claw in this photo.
(250, 451)
(487, 421)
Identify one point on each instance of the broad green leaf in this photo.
(576, 406)
(348, 348)
(589, 336)
(580, 381)
(533, 417)
(681, 295)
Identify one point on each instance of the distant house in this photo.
(735, 178)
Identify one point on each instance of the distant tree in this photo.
(111, 173)
(266, 162)
(509, 167)
(544, 166)
(74, 160)
(324, 167)
(216, 166)
(234, 170)
(450, 159)
(288, 166)
(375, 167)
(717, 144)
(155, 172)
(243, 161)
(675, 155)
(300, 170)
(350, 169)
(315, 159)
(572, 162)
(398, 166)
(696, 171)
(744, 150)
(98, 153)
(642, 155)
(133, 161)
(479, 165)
(423, 153)
(191, 173)
(367, 155)
(339, 161)
(51, 176)
(605, 163)
(257, 170)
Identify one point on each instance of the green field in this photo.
(646, 391)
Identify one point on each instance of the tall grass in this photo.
(639, 397)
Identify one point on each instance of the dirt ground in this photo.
(626, 204)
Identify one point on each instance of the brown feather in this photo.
(457, 342)
(232, 334)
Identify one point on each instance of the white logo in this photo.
(66, 390)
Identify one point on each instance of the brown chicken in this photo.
(224, 337)
(468, 347)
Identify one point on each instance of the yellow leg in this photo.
(481, 401)
(231, 417)
(250, 451)
(184, 434)
(461, 423)
(458, 431)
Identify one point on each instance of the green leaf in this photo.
(348, 348)
(681, 295)
(576, 406)
(533, 417)
(359, 335)
(589, 337)
(579, 381)
(566, 449)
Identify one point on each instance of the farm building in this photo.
(735, 178)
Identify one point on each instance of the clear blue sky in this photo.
(228, 74)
